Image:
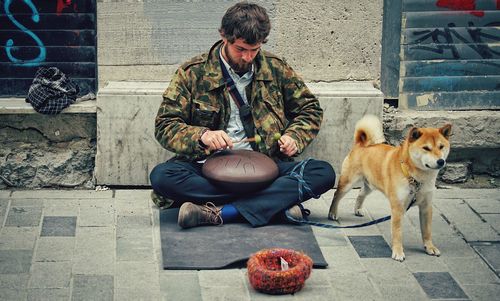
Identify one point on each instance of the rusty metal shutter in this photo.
(37, 34)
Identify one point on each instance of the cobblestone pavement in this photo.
(105, 245)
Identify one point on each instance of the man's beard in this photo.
(241, 67)
(244, 67)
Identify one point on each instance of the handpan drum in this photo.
(240, 171)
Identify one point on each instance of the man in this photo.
(199, 116)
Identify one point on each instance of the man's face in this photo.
(239, 54)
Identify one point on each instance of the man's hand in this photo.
(287, 145)
(216, 140)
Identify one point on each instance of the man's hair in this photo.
(247, 21)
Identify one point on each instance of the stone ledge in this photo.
(320, 89)
(134, 88)
(20, 106)
(344, 89)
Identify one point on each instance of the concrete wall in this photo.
(323, 40)
(330, 40)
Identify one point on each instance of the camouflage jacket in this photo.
(196, 99)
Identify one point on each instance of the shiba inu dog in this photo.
(404, 173)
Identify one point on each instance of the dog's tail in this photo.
(368, 131)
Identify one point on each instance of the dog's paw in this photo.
(398, 255)
(432, 250)
(359, 212)
(332, 217)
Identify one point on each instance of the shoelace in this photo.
(214, 213)
(305, 212)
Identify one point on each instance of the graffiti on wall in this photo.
(41, 33)
(461, 5)
(9, 46)
(475, 38)
(446, 39)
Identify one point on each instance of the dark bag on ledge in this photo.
(51, 91)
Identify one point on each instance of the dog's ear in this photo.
(414, 134)
(446, 131)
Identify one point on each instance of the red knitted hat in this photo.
(265, 273)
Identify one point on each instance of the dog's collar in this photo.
(414, 184)
(412, 180)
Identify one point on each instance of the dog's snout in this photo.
(440, 162)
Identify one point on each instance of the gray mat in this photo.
(230, 245)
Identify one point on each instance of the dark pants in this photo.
(183, 182)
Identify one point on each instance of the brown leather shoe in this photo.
(191, 215)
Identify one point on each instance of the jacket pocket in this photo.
(274, 104)
(204, 114)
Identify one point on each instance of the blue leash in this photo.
(303, 186)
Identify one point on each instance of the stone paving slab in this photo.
(137, 293)
(355, 286)
(485, 292)
(4, 204)
(13, 294)
(23, 217)
(52, 294)
(96, 203)
(133, 207)
(472, 270)
(402, 292)
(388, 272)
(180, 285)
(96, 217)
(457, 193)
(50, 275)
(14, 281)
(5, 194)
(55, 249)
(468, 223)
(454, 247)
(94, 251)
(62, 203)
(493, 220)
(61, 194)
(26, 203)
(484, 205)
(18, 238)
(115, 253)
(93, 287)
(440, 285)
(61, 211)
(137, 280)
(422, 262)
(15, 261)
(137, 195)
(478, 232)
(371, 246)
(343, 259)
(135, 248)
(58, 226)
